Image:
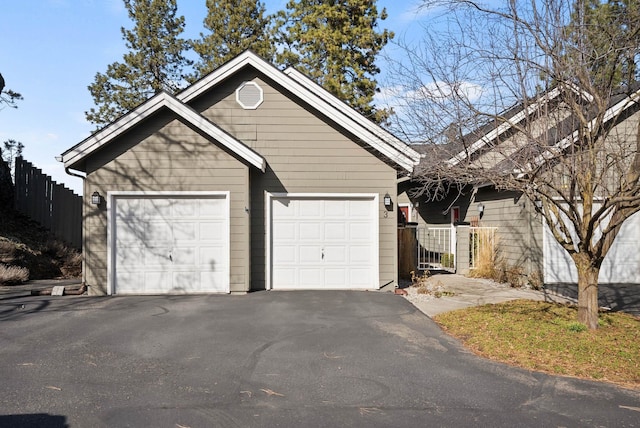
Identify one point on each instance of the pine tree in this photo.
(335, 42)
(607, 32)
(234, 26)
(154, 62)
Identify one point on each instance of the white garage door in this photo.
(621, 265)
(324, 242)
(170, 244)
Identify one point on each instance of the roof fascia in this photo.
(405, 159)
(502, 128)
(610, 114)
(146, 110)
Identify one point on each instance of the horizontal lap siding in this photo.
(519, 228)
(170, 157)
(304, 155)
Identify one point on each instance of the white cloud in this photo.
(441, 91)
(398, 96)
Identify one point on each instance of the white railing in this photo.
(436, 248)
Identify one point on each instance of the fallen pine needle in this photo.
(270, 392)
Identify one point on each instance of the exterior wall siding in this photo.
(304, 155)
(163, 154)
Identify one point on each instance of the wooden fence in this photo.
(52, 205)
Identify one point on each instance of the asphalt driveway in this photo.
(287, 359)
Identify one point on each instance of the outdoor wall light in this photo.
(96, 199)
(387, 201)
(480, 209)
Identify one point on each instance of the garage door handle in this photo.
(170, 257)
(323, 254)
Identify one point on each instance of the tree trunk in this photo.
(588, 295)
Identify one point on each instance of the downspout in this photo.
(75, 174)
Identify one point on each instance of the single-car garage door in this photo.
(324, 242)
(169, 243)
(621, 265)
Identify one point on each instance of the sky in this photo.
(51, 50)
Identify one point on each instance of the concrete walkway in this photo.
(474, 292)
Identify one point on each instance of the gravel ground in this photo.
(424, 289)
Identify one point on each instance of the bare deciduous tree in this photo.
(538, 97)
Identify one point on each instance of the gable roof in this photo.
(76, 154)
(308, 91)
(562, 135)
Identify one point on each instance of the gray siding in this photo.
(519, 227)
(304, 155)
(164, 154)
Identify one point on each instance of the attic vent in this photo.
(249, 95)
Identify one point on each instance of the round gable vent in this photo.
(249, 95)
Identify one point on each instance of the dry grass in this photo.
(27, 247)
(10, 275)
(486, 254)
(545, 337)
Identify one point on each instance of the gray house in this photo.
(252, 178)
(526, 245)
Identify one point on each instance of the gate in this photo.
(436, 248)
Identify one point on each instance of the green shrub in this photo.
(447, 260)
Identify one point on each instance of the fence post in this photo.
(407, 252)
(462, 249)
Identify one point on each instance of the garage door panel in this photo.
(214, 208)
(360, 255)
(168, 244)
(285, 277)
(128, 255)
(309, 254)
(309, 208)
(188, 281)
(307, 231)
(320, 242)
(158, 231)
(360, 277)
(335, 231)
(336, 210)
(184, 256)
(335, 277)
(156, 257)
(156, 281)
(212, 231)
(283, 210)
(284, 254)
(336, 254)
(185, 232)
(309, 278)
(186, 208)
(211, 258)
(157, 208)
(359, 209)
(360, 232)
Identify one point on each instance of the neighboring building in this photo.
(249, 179)
(526, 245)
